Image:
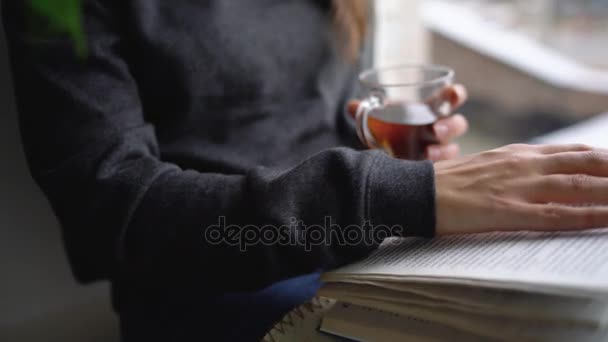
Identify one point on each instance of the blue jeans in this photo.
(229, 317)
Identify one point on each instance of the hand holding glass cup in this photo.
(407, 111)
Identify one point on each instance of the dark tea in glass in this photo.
(402, 105)
(403, 130)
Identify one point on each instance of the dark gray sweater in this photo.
(186, 111)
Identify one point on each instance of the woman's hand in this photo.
(447, 129)
(517, 187)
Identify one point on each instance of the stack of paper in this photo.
(498, 286)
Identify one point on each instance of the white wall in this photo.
(400, 37)
(39, 300)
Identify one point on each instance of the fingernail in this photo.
(461, 93)
(434, 153)
(441, 130)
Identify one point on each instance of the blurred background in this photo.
(531, 66)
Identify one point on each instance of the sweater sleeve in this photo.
(122, 207)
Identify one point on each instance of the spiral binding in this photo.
(297, 314)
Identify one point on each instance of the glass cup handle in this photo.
(361, 120)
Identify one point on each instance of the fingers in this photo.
(548, 149)
(552, 149)
(554, 217)
(446, 100)
(450, 128)
(456, 95)
(594, 163)
(569, 189)
(442, 152)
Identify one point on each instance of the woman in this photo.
(188, 115)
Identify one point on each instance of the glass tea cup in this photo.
(401, 106)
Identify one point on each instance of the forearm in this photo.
(167, 229)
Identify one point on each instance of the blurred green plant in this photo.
(63, 17)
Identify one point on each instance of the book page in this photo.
(591, 132)
(541, 308)
(381, 321)
(573, 263)
(364, 324)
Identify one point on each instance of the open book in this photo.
(498, 286)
